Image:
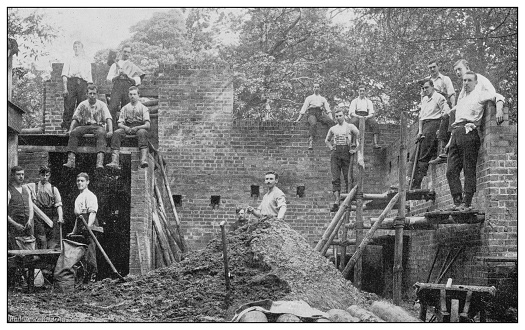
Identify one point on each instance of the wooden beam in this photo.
(366, 239)
(39, 213)
(324, 239)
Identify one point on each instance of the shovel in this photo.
(225, 255)
(101, 249)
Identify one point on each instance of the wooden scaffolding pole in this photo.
(342, 248)
(400, 219)
(359, 231)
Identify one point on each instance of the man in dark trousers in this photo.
(362, 107)
(76, 75)
(48, 199)
(318, 111)
(133, 120)
(433, 105)
(464, 141)
(19, 208)
(123, 74)
(86, 206)
(90, 117)
(341, 133)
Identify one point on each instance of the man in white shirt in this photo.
(433, 105)
(362, 107)
(460, 68)
(464, 141)
(76, 75)
(274, 201)
(341, 133)
(318, 111)
(123, 74)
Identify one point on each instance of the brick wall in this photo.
(496, 196)
(208, 153)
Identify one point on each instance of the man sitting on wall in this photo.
(133, 120)
(89, 117)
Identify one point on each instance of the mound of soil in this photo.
(267, 260)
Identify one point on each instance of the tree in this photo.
(282, 52)
(169, 37)
(28, 31)
(28, 83)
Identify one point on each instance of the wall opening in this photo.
(114, 205)
(300, 191)
(254, 191)
(177, 199)
(215, 201)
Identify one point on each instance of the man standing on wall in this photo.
(86, 206)
(442, 85)
(362, 107)
(464, 141)
(318, 111)
(19, 208)
(274, 201)
(432, 107)
(47, 198)
(123, 74)
(90, 117)
(341, 133)
(76, 75)
(460, 68)
(133, 120)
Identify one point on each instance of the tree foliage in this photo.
(28, 86)
(282, 51)
(29, 31)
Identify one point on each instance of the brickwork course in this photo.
(209, 153)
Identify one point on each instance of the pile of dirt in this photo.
(267, 260)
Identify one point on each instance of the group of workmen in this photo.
(448, 128)
(83, 114)
(92, 116)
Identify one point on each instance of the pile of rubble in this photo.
(267, 261)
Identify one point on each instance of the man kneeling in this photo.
(133, 120)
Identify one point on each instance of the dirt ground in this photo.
(267, 260)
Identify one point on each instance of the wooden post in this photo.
(342, 248)
(225, 255)
(359, 231)
(399, 222)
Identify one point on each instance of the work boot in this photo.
(457, 199)
(310, 143)
(70, 160)
(144, 157)
(376, 144)
(442, 158)
(100, 161)
(114, 160)
(467, 199)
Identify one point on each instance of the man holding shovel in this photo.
(86, 206)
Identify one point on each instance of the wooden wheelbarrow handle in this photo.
(101, 249)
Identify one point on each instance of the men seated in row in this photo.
(90, 117)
